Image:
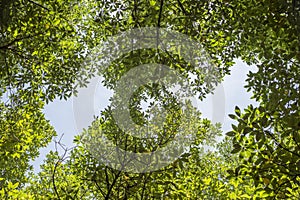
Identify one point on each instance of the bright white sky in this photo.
(61, 115)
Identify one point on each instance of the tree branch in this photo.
(112, 185)
(53, 179)
(61, 159)
(98, 186)
(281, 146)
(17, 40)
(181, 7)
(160, 12)
(144, 184)
(158, 23)
(106, 179)
(39, 5)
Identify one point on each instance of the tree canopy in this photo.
(44, 46)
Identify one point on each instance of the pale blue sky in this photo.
(61, 113)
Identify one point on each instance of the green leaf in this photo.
(237, 111)
(236, 149)
(152, 2)
(15, 33)
(233, 116)
(231, 133)
(56, 22)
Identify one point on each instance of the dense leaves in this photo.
(43, 45)
(269, 152)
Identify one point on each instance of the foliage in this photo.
(267, 137)
(43, 45)
(38, 64)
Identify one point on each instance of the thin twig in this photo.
(160, 12)
(181, 7)
(39, 5)
(18, 39)
(281, 146)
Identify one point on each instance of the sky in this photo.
(215, 107)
